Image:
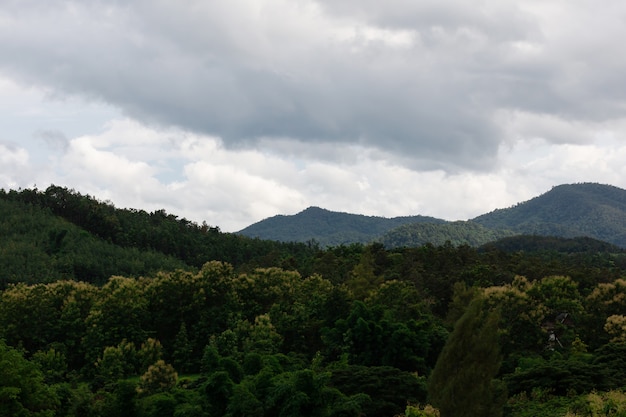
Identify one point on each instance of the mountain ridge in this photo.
(328, 227)
(567, 210)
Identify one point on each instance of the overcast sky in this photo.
(233, 111)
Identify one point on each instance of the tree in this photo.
(22, 388)
(160, 377)
(150, 352)
(363, 279)
(182, 350)
(110, 367)
(462, 382)
(120, 312)
(389, 389)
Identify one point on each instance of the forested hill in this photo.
(574, 210)
(329, 228)
(587, 209)
(59, 233)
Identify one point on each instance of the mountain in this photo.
(329, 228)
(570, 210)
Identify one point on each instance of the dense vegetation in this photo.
(457, 233)
(60, 233)
(300, 330)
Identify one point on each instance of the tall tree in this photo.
(462, 382)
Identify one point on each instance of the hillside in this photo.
(328, 228)
(37, 246)
(457, 233)
(536, 243)
(59, 233)
(588, 209)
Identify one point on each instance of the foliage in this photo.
(388, 388)
(462, 381)
(160, 377)
(294, 329)
(457, 233)
(417, 411)
(75, 236)
(37, 246)
(22, 388)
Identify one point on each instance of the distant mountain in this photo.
(588, 209)
(572, 210)
(329, 228)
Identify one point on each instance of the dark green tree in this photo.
(462, 383)
(181, 356)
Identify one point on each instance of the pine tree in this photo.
(181, 355)
(462, 382)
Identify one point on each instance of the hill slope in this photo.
(37, 246)
(327, 227)
(535, 243)
(588, 209)
(457, 233)
(61, 234)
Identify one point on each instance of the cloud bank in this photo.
(232, 111)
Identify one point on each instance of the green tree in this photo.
(462, 382)
(363, 279)
(181, 355)
(160, 377)
(119, 313)
(53, 364)
(389, 389)
(110, 367)
(23, 392)
(150, 352)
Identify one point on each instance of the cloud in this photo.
(55, 139)
(232, 111)
(197, 177)
(14, 163)
(422, 81)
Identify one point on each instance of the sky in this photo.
(233, 111)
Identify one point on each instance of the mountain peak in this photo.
(329, 228)
(568, 210)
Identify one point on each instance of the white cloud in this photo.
(232, 111)
(232, 189)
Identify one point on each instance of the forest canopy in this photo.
(101, 320)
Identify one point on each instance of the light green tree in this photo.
(22, 388)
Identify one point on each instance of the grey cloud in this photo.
(250, 71)
(55, 139)
(501, 20)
